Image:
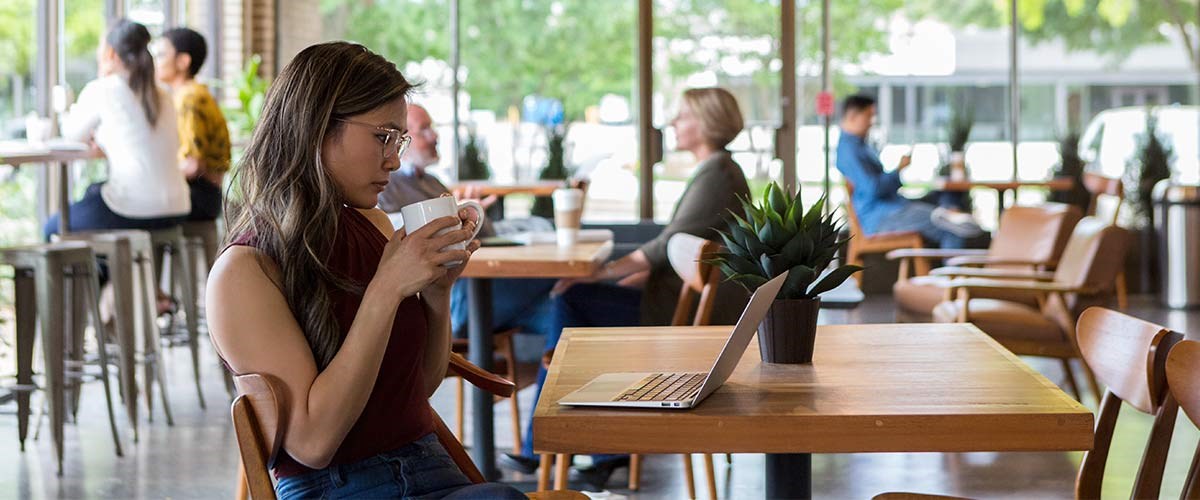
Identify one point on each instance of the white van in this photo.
(1110, 140)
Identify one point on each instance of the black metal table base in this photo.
(789, 476)
(479, 328)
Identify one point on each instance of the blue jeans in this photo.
(594, 304)
(915, 217)
(90, 213)
(421, 469)
(516, 303)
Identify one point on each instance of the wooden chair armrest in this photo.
(981, 272)
(933, 253)
(983, 260)
(1016, 285)
(481, 378)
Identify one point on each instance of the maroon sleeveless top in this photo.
(397, 412)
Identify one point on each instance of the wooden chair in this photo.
(1109, 188)
(862, 244)
(1183, 380)
(1028, 241)
(506, 364)
(1130, 357)
(260, 423)
(687, 254)
(1083, 278)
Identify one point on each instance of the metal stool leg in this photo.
(50, 307)
(92, 289)
(76, 315)
(121, 272)
(153, 365)
(186, 283)
(26, 316)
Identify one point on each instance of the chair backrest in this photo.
(259, 422)
(1183, 381)
(1034, 233)
(1092, 258)
(852, 216)
(1098, 187)
(687, 254)
(1129, 356)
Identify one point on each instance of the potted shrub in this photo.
(1150, 163)
(774, 236)
(556, 169)
(471, 165)
(1071, 165)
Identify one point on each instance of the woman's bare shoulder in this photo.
(380, 219)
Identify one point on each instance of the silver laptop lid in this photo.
(747, 325)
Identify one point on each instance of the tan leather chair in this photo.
(1029, 240)
(863, 244)
(1110, 191)
(1084, 278)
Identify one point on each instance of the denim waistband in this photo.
(421, 448)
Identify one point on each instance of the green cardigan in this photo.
(711, 193)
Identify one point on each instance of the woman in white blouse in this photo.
(132, 120)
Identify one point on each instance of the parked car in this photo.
(1110, 140)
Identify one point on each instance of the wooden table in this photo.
(1001, 187)
(870, 388)
(17, 153)
(487, 188)
(534, 261)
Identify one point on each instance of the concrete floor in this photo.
(197, 457)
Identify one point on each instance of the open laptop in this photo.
(679, 389)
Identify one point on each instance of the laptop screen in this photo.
(752, 315)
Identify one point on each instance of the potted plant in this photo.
(1071, 165)
(777, 235)
(958, 132)
(1151, 163)
(556, 169)
(471, 165)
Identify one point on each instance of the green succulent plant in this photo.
(777, 235)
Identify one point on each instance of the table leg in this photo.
(479, 328)
(789, 475)
(1000, 202)
(64, 198)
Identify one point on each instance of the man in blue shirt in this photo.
(877, 199)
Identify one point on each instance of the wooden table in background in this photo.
(535, 261)
(870, 388)
(487, 188)
(17, 153)
(1001, 187)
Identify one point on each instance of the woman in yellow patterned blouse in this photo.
(203, 134)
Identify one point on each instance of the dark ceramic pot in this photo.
(789, 331)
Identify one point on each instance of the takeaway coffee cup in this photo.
(423, 212)
(568, 209)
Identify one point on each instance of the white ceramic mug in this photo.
(423, 212)
(568, 209)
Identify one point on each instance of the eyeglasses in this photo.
(395, 142)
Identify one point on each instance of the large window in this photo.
(526, 67)
(726, 43)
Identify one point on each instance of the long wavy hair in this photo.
(290, 205)
(131, 42)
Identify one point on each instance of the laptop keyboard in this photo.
(664, 387)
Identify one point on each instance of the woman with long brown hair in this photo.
(316, 291)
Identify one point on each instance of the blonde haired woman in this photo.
(641, 288)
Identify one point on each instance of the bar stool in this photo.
(42, 276)
(130, 252)
(204, 238)
(172, 254)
